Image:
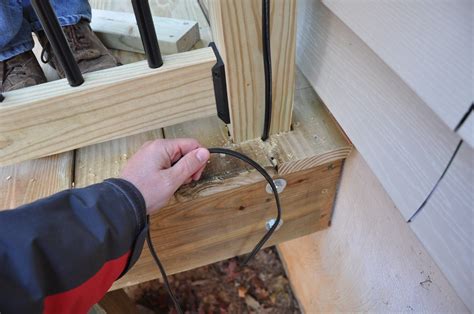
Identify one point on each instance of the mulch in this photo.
(223, 287)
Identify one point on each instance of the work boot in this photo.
(20, 71)
(89, 52)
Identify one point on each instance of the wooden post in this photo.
(237, 31)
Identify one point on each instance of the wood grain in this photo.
(98, 162)
(236, 27)
(369, 260)
(177, 9)
(192, 234)
(404, 142)
(119, 30)
(427, 43)
(446, 224)
(28, 181)
(111, 103)
(315, 138)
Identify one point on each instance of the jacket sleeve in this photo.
(61, 254)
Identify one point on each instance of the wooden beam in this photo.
(112, 103)
(213, 228)
(119, 30)
(237, 31)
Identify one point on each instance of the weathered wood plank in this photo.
(119, 30)
(28, 181)
(101, 161)
(368, 260)
(112, 103)
(237, 31)
(191, 234)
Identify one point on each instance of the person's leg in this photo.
(69, 12)
(15, 31)
(18, 65)
(74, 16)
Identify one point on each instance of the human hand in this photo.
(157, 171)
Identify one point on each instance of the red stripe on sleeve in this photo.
(83, 297)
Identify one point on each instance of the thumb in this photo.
(188, 165)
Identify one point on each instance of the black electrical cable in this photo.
(267, 65)
(259, 245)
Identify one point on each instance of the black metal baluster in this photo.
(58, 41)
(141, 8)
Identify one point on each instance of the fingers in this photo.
(191, 164)
(176, 148)
(198, 174)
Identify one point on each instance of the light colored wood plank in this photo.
(315, 139)
(111, 103)
(369, 260)
(119, 30)
(28, 181)
(404, 142)
(236, 27)
(191, 234)
(98, 162)
(178, 9)
(428, 43)
(446, 224)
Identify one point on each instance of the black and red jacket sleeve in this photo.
(61, 254)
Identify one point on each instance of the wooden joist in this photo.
(119, 30)
(112, 103)
(237, 31)
(213, 228)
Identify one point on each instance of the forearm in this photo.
(69, 247)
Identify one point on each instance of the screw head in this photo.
(269, 224)
(280, 184)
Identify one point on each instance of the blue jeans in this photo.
(18, 20)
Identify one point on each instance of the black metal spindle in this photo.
(142, 11)
(58, 41)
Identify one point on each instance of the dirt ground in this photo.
(223, 287)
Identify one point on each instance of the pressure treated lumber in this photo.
(369, 260)
(119, 30)
(230, 223)
(112, 103)
(228, 182)
(176, 9)
(31, 180)
(237, 31)
(446, 224)
(98, 162)
(403, 140)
